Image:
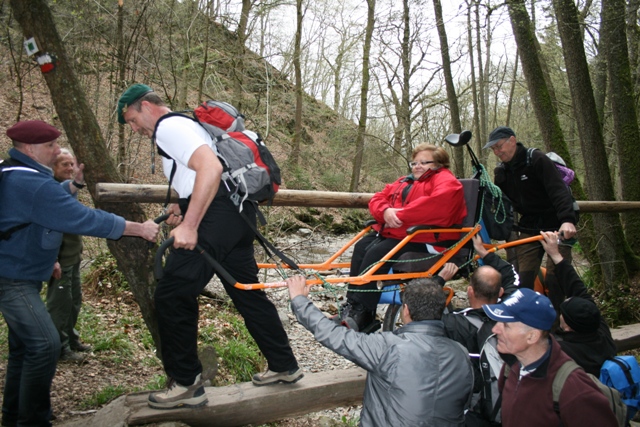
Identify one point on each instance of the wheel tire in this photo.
(392, 319)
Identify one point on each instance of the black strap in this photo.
(626, 369)
(267, 245)
(405, 192)
(171, 175)
(6, 235)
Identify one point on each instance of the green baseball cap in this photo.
(131, 95)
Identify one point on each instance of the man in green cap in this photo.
(206, 216)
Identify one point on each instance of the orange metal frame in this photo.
(370, 275)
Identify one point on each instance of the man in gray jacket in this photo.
(416, 376)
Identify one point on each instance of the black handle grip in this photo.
(158, 268)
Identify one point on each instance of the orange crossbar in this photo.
(369, 276)
(328, 264)
(494, 248)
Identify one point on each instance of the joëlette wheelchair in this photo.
(406, 267)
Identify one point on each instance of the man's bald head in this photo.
(486, 283)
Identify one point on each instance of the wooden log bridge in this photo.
(148, 193)
(242, 404)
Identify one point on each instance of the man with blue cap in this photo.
(532, 182)
(522, 330)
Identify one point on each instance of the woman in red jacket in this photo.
(431, 195)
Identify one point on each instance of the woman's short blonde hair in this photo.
(440, 155)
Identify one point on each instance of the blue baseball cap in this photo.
(526, 306)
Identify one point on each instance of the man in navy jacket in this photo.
(39, 210)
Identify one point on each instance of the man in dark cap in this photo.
(35, 211)
(204, 215)
(533, 184)
(583, 334)
(522, 329)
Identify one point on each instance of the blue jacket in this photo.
(38, 199)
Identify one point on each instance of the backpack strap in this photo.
(626, 370)
(558, 383)
(10, 165)
(265, 243)
(530, 151)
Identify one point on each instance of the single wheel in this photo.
(392, 320)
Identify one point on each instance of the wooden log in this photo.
(147, 193)
(626, 337)
(242, 404)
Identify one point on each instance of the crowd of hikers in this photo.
(514, 357)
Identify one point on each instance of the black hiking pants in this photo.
(367, 251)
(226, 236)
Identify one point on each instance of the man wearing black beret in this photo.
(583, 334)
(532, 182)
(35, 211)
(204, 215)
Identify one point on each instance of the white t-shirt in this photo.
(180, 138)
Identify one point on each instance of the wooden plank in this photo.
(626, 337)
(147, 193)
(242, 404)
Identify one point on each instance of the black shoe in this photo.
(78, 346)
(356, 316)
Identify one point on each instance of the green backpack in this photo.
(615, 401)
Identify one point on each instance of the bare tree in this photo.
(612, 247)
(452, 98)
(625, 118)
(297, 136)
(364, 96)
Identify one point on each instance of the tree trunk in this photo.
(623, 107)
(122, 63)
(84, 135)
(297, 135)
(364, 97)
(609, 236)
(404, 116)
(474, 90)
(452, 98)
(238, 69)
(484, 133)
(541, 97)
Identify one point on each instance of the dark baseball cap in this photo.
(526, 306)
(501, 132)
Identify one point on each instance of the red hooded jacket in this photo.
(436, 198)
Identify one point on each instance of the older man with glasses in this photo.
(532, 182)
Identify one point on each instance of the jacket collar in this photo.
(28, 161)
(428, 327)
(519, 158)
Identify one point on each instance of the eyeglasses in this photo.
(423, 163)
(500, 145)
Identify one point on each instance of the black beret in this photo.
(33, 132)
(130, 96)
(580, 314)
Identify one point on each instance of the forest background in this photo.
(342, 91)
